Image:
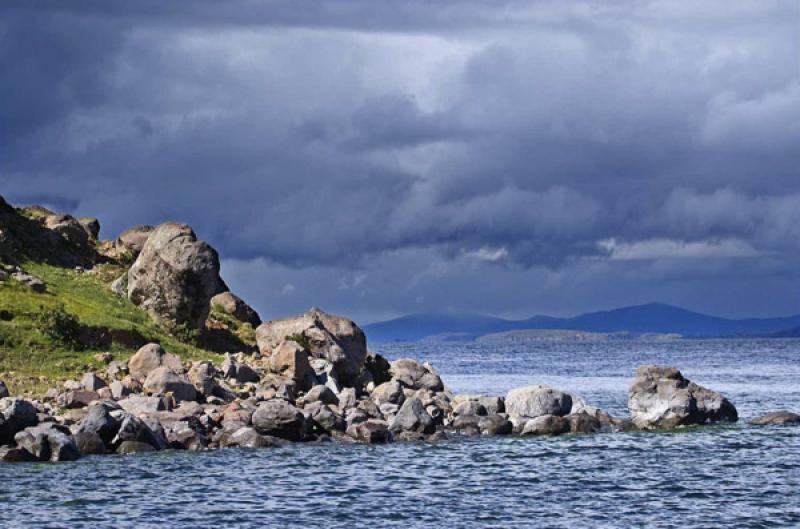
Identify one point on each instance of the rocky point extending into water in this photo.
(313, 379)
(307, 378)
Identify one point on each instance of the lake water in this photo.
(734, 476)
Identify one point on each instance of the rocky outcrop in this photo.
(231, 304)
(333, 338)
(531, 402)
(175, 276)
(776, 417)
(131, 241)
(660, 397)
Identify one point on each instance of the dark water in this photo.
(710, 477)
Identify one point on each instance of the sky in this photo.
(377, 158)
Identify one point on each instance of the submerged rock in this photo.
(776, 417)
(660, 397)
(546, 425)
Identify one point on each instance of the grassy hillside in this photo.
(40, 343)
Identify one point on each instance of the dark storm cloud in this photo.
(433, 142)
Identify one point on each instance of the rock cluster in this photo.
(661, 397)
(316, 382)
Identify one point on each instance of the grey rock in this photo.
(546, 425)
(414, 375)
(412, 416)
(89, 443)
(120, 286)
(323, 394)
(247, 437)
(523, 404)
(92, 382)
(660, 397)
(584, 423)
(469, 407)
(495, 424)
(493, 405)
(48, 442)
(163, 380)
(776, 417)
(372, 431)
(279, 419)
(334, 338)
(134, 447)
(17, 414)
(91, 226)
(32, 282)
(175, 276)
(79, 398)
(291, 359)
(347, 398)
(388, 392)
(99, 421)
(119, 390)
(150, 357)
(324, 418)
(140, 404)
(132, 240)
(201, 375)
(233, 305)
(135, 429)
(13, 454)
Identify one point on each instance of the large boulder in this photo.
(776, 417)
(334, 338)
(175, 277)
(414, 375)
(233, 305)
(150, 357)
(100, 422)
(15, 415)
(278, 418)
(291, 359)
(48, 442)
(371, 431)
(413, 417)
(524, 404)
(163, 380)
(660, 397)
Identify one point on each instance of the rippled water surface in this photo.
(713, 477)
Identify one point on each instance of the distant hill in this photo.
(640, 319)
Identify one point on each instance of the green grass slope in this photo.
(34, 355)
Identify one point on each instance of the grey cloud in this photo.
(508, 142)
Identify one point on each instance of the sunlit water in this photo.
(709, 477)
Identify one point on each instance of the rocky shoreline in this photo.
(299, 379)
(314, 380)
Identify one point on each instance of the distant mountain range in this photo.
(640, 319)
